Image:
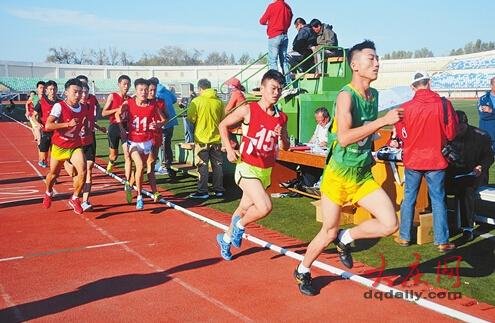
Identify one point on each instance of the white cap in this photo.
(419, 76)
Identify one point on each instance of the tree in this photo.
(61, 56)
(244, 59)
(400, 54)
(473, 47)
(423, 52)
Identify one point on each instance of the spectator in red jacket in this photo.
(277, 18)
(425, 129)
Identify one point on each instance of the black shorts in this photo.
(45, 141)
(113, 136)
(89, 151)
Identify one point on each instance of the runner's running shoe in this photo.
(156, 197)
(109, 167)
(344, 251)
(47, 201)
(139, 204)
(224, 247)
(304, 282)
(86, 206)
(75, 204)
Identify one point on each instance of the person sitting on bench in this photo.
(469, 171)
(309, 176)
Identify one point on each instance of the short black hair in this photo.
(32, 92)
(359, 47)
(273, 75)
(82, 77)
(40, 82)
(315, 23)
(51, 83)
(85, 85)
(204, 84)
(324, 112)
(123, 77)
(154, 80)
(299, 20)
(142, 81)
(75, 82)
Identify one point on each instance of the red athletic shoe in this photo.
(75, 204)
(47, 201)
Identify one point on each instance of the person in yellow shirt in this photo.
(205, 113)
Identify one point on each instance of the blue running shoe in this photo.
(224, 247)
(139, 204)
(236, 232)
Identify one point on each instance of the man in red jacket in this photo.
(277, 17)
(425, 129)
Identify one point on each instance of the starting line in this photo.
(318, 264)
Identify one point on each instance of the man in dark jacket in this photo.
(486, 110)
(470, 171)
(302, 46)
(325, 36)
(426, 129)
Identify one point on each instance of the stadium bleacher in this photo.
(465, 73)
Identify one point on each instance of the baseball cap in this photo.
(233, 82)
(419, 76)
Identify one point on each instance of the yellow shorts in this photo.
(346, 185)
(59, 153)
(244, 170)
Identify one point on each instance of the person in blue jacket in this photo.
(165, 155)
(486, 110)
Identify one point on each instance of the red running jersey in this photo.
(69, 138)
(260, 145)
(117, 101)
(88, 128)
(138, 122)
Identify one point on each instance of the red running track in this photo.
(119, 264)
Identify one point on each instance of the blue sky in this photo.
(30, 28)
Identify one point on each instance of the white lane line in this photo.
(324, 266)
(23, 199)
(177, 280)
(57, 251)
(106, 244)
(11, 173)
(25, 158)
(11, 258)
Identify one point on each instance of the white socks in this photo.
(345, 236)
(301, 269)
(226, 238)
(239, 225)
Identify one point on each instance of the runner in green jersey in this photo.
(347, 177)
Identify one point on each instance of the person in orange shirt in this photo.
(237, 99)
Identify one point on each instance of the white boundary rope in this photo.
(318, 264)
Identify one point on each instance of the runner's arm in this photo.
(239, 114)
(106, 108)
(347, 135)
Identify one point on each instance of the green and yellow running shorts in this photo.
(244, 170)
(342, 184)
